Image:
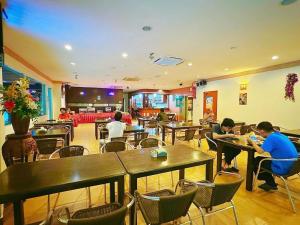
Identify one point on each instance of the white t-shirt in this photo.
(115, 129)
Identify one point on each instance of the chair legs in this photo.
(289, 194)
(234, 212)
(190, 219)
(202, 215)
(88, 194)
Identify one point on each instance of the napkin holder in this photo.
(159, 153)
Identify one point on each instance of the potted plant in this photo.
(17, 100)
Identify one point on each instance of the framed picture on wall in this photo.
(243, 99)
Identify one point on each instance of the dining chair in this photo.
(138, 137)
(294, 171)
(213, 146)
(201, 135)
(152, 142)
(107, 214)
(151, 127)
(189, 135)
(217, 193)
(165, 206)
(123, 139)
(69, 151)
(46, 146)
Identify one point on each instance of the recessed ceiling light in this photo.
(275, 57)
(166, 72)
(226, 69)
(287, 2)
(190, 64)
(124, 55)
(72, 63)
(68, 47)
(147, 28)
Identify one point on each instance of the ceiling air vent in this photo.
(168, 61)
(131, 79)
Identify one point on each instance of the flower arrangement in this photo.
(291, 80)
(16, 99)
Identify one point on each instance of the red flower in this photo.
(9, 106)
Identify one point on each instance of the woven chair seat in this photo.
(96, 211)
(161, 193)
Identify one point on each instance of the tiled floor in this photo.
(254, 208)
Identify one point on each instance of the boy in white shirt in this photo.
(116, 128)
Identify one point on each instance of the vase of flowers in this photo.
(17, 100)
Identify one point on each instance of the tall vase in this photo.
(20, 124)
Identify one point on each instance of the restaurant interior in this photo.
(150, 112)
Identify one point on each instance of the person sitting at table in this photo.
(162, 116)
(278, 146)
(225, 130)
(208, 116)
(116, 128)
(64, 115)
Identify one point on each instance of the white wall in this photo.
(57, 100)
(265, 99)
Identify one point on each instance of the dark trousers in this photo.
(230, 154)
(266, 176)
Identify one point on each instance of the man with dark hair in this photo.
(225, 130)
(116, 128)
(279, 147)
(162, 116)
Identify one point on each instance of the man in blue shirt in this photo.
(279, 147)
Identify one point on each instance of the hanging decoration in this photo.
(291, 80)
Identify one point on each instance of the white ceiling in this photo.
(201, 32)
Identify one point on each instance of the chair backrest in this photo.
(211, 143)
(171, 116)
(69, 151)
(150, 142)
(116, 217)
(244, 129)
(140, 136)
(152, 124)
(189, 134)
(166, 208)
(224, 192)
(295, 169)
(46, 145)
(123, 139)
(114, 146)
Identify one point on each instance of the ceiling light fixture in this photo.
(287, 2)
(72, 63)
(68, 47)
(226, 69)
(147, 28)
(166, 72)
(275, 57)
(124, 55)
(190, 64)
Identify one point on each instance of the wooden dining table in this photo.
(28, 180)
(139, 163)
(53, 133)
(57, 123)
(143, 120)
(175, 126)
(292, 133)
(241, 144)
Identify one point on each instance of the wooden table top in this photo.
(140, 162)
(293, 133)
(237, 142)
(132, 129)
(180, 125)
(27, 180)
(50, 132)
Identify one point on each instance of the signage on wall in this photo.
(243, 98)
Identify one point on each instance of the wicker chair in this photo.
(115, 146)
(69, 151)
(166, 205)
(151, 126)
(108, 214)
(189, 135)
(124, 139)
(46, 146)
(201, 135)
(295, 170)
(213, 146)
(217, 193)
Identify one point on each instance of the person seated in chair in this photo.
(64, 115)
(225, 130)
(162, 116)
(116, 128)
(278, 146)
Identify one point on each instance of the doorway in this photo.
(210, 103)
